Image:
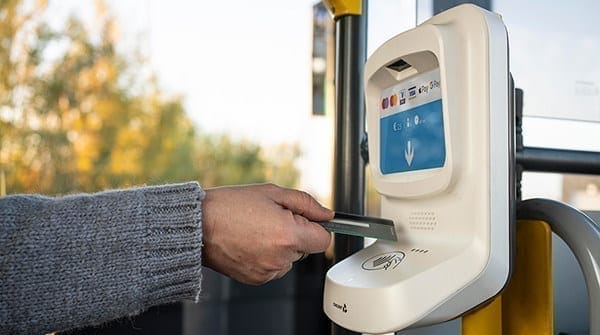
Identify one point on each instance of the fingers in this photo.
(302, 203)
(312, 238)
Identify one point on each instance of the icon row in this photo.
(410, 93)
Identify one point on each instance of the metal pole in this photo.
(559, 161)
(349, 167)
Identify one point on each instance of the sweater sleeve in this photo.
(86, 259)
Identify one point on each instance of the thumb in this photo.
(302, 203)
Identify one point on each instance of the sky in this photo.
(243, 66)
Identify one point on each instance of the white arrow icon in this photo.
(409, 153)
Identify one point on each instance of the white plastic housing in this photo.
(452, 219)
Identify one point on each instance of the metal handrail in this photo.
(581, 234)
(559, 160)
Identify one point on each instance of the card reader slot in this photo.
(399, 65)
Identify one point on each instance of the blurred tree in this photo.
(75, 115)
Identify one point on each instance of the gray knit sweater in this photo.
(85, 259)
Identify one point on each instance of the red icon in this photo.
(385, 103)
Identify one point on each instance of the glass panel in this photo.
(553, 58)
(554, 48)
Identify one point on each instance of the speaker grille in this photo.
(422, 220)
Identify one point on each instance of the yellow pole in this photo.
(486, 320)
(526, 305)
(528, 300)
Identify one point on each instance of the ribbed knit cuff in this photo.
(85, 259)
(173, 243)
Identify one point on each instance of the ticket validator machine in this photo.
(440, 152)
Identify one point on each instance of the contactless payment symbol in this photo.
(386, 261)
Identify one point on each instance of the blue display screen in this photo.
(412, 130)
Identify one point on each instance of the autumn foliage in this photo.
(75, 115)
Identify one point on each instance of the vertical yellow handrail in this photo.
(526, 306)
(486, 320)
(528, 300)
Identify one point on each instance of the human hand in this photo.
(254, 233)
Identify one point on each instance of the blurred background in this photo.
(107, 94)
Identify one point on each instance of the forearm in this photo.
(86, 259)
